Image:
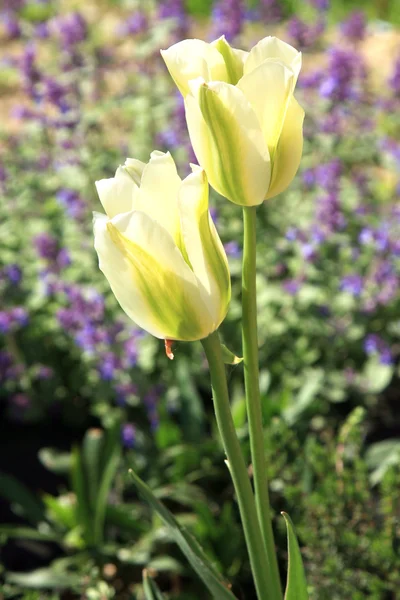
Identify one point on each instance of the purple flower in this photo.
(46, 246)
(174, 9)
(5, 365)
(130, 352)
(308, 252)
(128, 435)
(233, 249)
(228, 18)
(55, 93)
(42, 30)
(71, 202)
(136, 23)
(150, 403)
(321, 5)
(30, 73)
(366, 236)
(329, 214)
(71, 28)
(353, 284)
(13, 273)
(394, 81)
(270, 11)
(19, 316)
(5, 321)
(343, 75)
(308, 177)
(354, 28)
(292, 286)
(109, 363)
(292, 234)
(328, 175)
(12, 26)
(374, 344)
(303, 35)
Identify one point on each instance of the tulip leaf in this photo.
(228, 357)
(196, 556)
(296, 585)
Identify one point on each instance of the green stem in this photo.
(253, 399)
(237, 467)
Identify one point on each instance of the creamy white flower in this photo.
(244, 123)
(159, 250)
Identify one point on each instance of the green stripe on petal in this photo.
(233, 58)
(204, 247)
(149, 277)
(228, 142)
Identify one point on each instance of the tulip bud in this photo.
(244, 123)
(159, 249)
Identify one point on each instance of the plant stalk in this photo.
(253, 398)
(237, 467)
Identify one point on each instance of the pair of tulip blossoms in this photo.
(165, 263)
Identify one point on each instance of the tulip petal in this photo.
(117, 193)
(135, 169)
(234, 59)
(205, 250)
(149, 277)
(228, 142)
(289, 150)
(272, 47)
(278, 82)
(190, 59)
(158, 193)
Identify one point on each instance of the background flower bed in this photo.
(82, 89)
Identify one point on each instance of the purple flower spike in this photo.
(128, 435)
(354, 28)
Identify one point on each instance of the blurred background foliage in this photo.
(84, 395)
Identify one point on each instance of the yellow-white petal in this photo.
(190, 59)
(228, 142)
(205, 250)
(116, 194)
(135, 169)
(234, 59)
(272, 47)
(158, 193)
(269, 88)
(149, 277)
(289, 150)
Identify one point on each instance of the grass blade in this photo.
(296, 585)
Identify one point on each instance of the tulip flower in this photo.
(159, 249)
(244, 123)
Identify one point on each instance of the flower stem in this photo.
(237, 468)
(253, 399)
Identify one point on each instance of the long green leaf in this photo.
(45, 578)
(110, 466)
(296, 585)
(218, 587)
(229, 357)
(91, 456)
(150, 588)
(15, 491)
(79, 486)
(17, 531)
